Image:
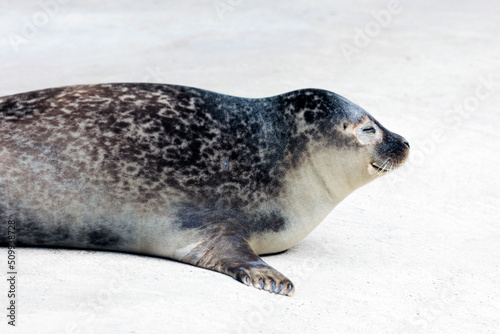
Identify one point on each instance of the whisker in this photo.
(399, 174)
(382, 168)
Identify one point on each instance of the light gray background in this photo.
(416, 251)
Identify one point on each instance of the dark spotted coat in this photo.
(99, 147)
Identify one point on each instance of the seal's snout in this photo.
(395, 146)
(390, 153)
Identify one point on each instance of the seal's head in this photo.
(350, 147)
(383, 149)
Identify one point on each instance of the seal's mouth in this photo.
(385, 168)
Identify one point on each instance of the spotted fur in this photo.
(111, 166)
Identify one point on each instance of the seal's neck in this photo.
(308, 198)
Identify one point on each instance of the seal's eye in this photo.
(369, 129)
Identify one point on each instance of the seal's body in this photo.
(200, 177)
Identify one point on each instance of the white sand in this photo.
(415, 252)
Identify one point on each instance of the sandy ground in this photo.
(414, 252)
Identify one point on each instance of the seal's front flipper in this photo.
(262, 276)
(228, 252)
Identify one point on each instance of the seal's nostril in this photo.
(407, 143)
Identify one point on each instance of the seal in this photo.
(183, 173)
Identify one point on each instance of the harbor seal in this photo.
(183, 173)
